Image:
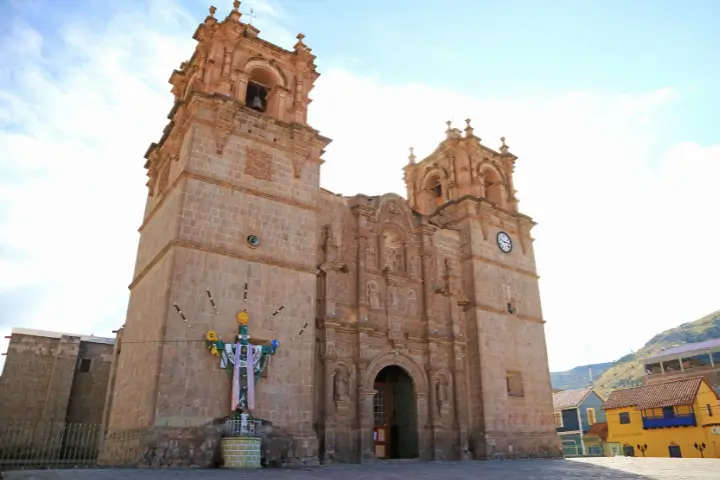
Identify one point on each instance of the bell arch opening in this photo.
(494, 187)
(260, 85)
(395, 432)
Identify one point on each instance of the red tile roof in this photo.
(677, 392)
(565, 399)
(598, 430)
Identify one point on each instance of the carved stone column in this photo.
(362, 278)
(333, 272)
(367, 421)
(241, 84)
(329, 454)
(460, 399)
(381, 252)
(424, 440)
(434, 421)
(276, 102)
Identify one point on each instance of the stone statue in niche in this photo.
(342, 390)
(392, 299)
(373, 295)
(412, 310)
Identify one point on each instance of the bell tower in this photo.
(466, 187)
(230, 225)
(461, 167)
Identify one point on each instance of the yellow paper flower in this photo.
(214, 351)
(211, 336)
(242, 318)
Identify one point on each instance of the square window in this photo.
(514, 384)
(591, 416)
(84, 365)
(624, 418)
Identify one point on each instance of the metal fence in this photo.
(42, 445)
(571, 448)
(77, 445)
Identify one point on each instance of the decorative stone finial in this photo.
(503, 148)
(210, 19)
(300, 46)
(412, 155)
(235, 14)
(468, 128)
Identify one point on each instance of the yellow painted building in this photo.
(680, 418)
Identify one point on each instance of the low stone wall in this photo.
(164, 447)
(241, 452)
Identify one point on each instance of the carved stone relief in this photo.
(373, 295)
(393, 300)
(258, 164)
(412, 309)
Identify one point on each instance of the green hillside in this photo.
(578, 377)
(627, 371)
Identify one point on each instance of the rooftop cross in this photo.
(252, 15)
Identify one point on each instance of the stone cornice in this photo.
(498, 311)
(221, 183)
(216, 251)
(504, 266)
(209, 101)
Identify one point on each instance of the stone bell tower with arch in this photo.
(233, 188)
(466, 187)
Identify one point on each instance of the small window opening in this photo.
(84, 365)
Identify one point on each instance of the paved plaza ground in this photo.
(617, 468)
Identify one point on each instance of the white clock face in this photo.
(504, 242)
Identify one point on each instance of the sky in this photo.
(611, 108)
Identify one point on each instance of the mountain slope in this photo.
(627, 371)
(578, 377)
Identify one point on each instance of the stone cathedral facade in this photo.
(410, 328)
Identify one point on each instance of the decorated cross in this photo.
(243, 360)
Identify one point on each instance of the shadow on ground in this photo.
(617, 468)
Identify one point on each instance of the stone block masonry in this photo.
(54, 377)
(389, 292)
(241, 452)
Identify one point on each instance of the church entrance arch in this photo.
(395, 432)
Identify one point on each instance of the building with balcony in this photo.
(686, 361)
(677, 418)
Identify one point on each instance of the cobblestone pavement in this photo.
(617, 468)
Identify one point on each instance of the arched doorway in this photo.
(395, 433)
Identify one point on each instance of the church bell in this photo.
(256, 103)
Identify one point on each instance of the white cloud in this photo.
(624, 244)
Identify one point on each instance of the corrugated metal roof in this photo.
(687, 348)
(667, 394)
(565, 399)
